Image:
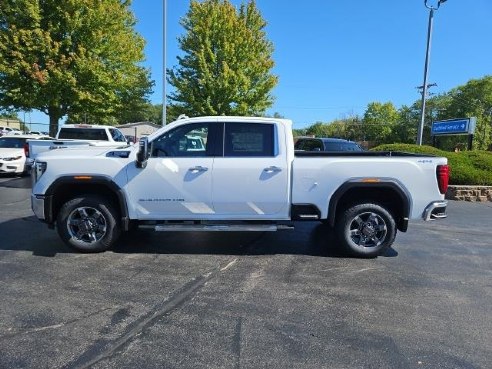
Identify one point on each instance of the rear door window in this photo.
(249, 140)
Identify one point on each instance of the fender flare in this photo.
(385, 183)
(89, 180)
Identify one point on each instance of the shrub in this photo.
(467, 167)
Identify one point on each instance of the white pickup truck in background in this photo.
(71, 135)
(234, 174)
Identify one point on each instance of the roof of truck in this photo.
(85, 126)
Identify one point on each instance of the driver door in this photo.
(177, 181)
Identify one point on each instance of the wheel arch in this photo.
(386, 192)
(68, 187)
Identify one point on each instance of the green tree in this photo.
(379, 121)
(155, 114)
(405, 129)
(73, 57)
(299, 132)
(5, 114)
(319, 129)
(143, 112)
(227, 62)
(474, 99)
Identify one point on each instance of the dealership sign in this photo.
(464, 126)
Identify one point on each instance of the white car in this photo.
(13, 152)
(5, 130)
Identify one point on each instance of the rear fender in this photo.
(387, 192)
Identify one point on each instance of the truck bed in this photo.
(301, 153)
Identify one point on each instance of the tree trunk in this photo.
(54, 118)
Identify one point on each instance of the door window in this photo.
(185, 141)
(117, 135)
(249, 139)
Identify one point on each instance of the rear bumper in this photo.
(435, 210)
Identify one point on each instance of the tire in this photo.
(88, 224)
(365, 230)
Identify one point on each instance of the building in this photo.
(11, 123)
(138, 129)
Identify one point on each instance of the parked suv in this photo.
(325, 144)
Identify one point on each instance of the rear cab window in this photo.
(12, 143)
(83, 134)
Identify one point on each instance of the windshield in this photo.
(12, 143)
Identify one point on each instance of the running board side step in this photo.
(220, 227)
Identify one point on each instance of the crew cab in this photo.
(78, 135)
(245, 177)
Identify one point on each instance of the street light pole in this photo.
(426, 67)
(164, 32)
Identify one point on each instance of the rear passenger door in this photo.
(251, 178)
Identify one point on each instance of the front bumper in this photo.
(435, 210)
(37, 206)
(12, 166)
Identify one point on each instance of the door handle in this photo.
(198, 169)
(272, 169)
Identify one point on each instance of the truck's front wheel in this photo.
(88, 224)
(366, 230)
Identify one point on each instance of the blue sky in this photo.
(335, 57)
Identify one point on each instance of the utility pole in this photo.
(426, 67)
(429, 85)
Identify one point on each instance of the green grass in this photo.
(467, 167)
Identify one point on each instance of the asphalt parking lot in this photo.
(239, 300)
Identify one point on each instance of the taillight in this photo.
(442, 173)
(26, 149)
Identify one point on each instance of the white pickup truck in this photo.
(245, 177)
(70, 135)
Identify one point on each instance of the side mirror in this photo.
(143, 152)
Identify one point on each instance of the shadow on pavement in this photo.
(311, 239)
(15, 182)
(28, 234)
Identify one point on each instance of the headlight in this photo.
(12, 158)
(38, 170)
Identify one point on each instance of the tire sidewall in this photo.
(343, 230)
(105, 208)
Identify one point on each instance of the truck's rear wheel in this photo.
(88, 224)
(366, 230)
